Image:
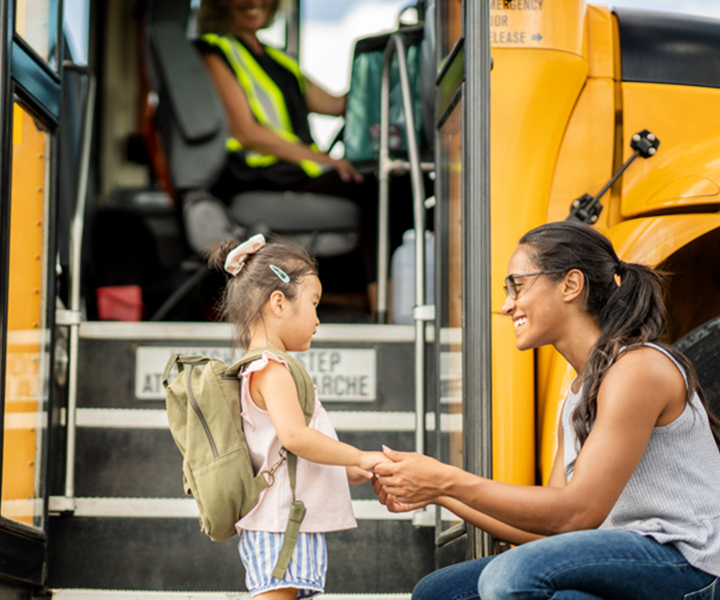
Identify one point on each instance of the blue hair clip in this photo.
(282, 275)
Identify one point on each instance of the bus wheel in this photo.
(702, 347)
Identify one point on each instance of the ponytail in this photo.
(633, 314)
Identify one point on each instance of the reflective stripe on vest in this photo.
(266, 100)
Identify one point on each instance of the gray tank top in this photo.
(674, 494)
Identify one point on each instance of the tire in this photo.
(702, 347)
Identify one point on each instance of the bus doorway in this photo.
(30, 106)
(117, 517)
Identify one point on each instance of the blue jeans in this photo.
(584, 565)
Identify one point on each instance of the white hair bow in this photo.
(235, 261)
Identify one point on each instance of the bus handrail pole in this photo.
(75, 268)
(418, 187)
(396, 45)
(384, 169)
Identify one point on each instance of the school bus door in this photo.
(29, 109)
(462, 228)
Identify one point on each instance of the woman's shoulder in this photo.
(644, 375)
(651, 355)
(203, 45)
(646, 362)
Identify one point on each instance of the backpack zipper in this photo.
(198, 412)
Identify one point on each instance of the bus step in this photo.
(80, 594)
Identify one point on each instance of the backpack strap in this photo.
(181, 360)
(306, 394)
(303, 381)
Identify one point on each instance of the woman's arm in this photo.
(476, 518)
(499, 529)
(274, 389)
(251, 134)
(320, 101)
(641, 386)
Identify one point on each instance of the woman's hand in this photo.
(345, 170)
(392, 503)
(411, 478)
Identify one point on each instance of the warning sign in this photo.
(515, 22)
(340, 374)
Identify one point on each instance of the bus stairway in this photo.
(128, 524)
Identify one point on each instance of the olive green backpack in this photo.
(203, 407)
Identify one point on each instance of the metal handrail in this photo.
(386, 166)
(76, 236)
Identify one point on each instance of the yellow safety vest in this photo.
(265, 97)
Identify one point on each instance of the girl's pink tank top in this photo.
(323, 488)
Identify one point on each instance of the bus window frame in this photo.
(53, 61)
(465, 74)
(29, 80)
(444, 533)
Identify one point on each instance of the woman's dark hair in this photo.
(625, 299)
(212, 16)
(247, 292)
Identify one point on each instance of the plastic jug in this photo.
(402, 272)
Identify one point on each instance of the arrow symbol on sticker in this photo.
(536, 37)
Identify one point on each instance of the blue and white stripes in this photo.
(259, 551)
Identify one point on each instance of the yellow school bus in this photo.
(532, 111)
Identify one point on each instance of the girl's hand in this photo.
(369, 460)
(411, 478)
(356, 475)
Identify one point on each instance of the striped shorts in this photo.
(259, 551)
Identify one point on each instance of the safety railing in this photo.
(72, 317)
(387, 167)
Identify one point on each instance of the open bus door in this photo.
(462, 230)
(30, 101)
(118, 517)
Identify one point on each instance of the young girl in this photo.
(271, 298)
(632, 507)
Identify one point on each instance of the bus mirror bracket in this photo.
(586, 208)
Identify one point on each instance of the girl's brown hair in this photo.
(629, 313)
(212, 16)
(246, 293)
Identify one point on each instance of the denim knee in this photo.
(428, 587)
(504, 578)
(457, 582)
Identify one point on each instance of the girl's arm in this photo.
(641, 390)
(251, 134)
(274, 389)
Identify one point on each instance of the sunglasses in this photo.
(510, 288)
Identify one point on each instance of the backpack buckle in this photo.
(270, 473)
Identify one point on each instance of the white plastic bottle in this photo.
(402, 272)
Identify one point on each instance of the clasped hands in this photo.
(406, 481)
